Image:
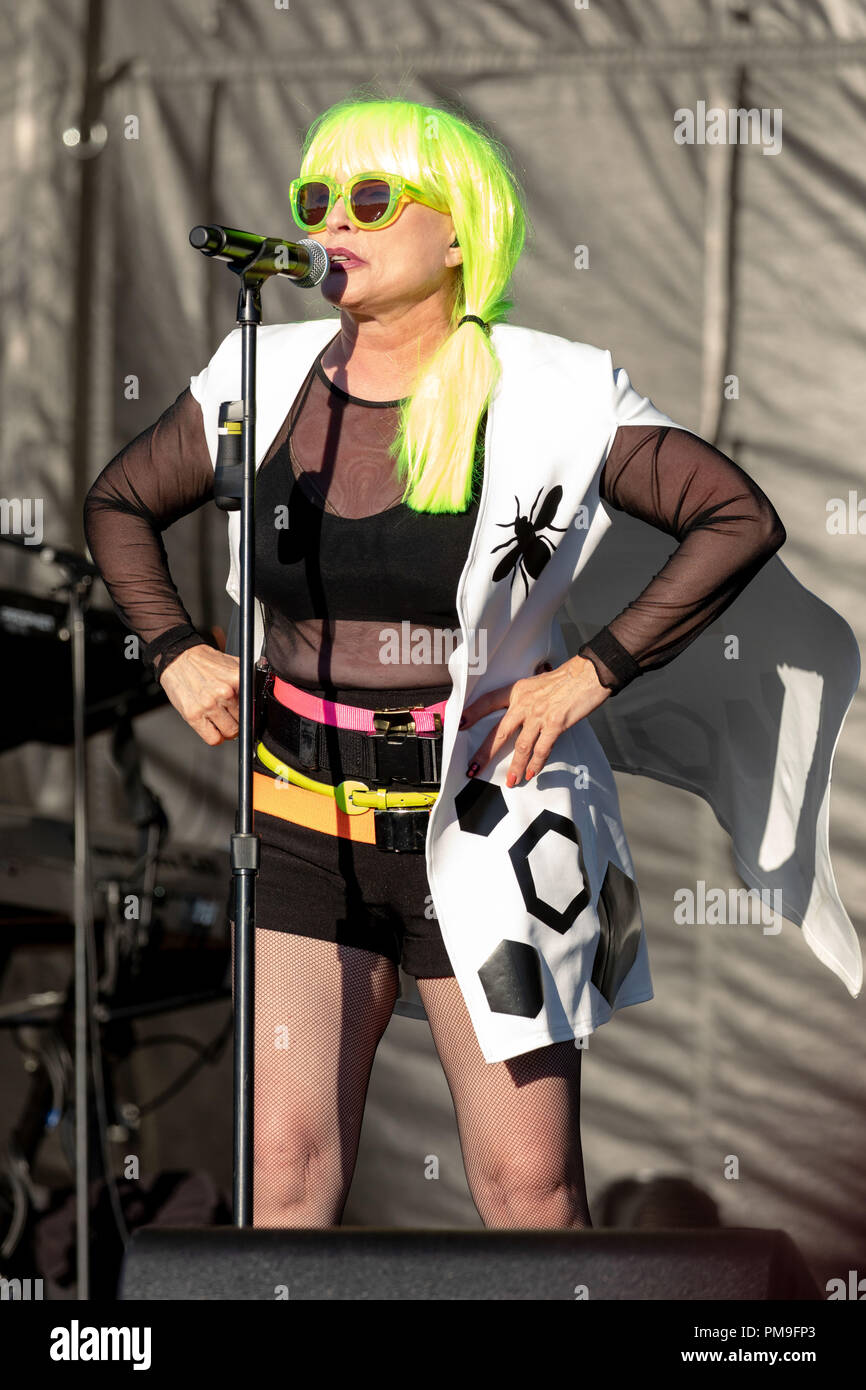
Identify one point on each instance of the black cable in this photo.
(208, 1052)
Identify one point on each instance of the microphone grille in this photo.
(318, 264)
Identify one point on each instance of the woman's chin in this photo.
(341, 297)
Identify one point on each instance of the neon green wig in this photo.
(470, 173)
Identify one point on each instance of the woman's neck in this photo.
(378, 359)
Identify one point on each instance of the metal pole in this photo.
(83, 933)
(244, 844)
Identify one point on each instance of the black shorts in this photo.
(311, 883)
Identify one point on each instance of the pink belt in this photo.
(427, 719)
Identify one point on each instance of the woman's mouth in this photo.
(344, 259)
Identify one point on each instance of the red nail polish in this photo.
(472, 769)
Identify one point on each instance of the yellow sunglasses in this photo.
(373, 199)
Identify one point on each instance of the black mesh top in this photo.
(360, 591)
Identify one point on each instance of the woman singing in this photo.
(427, 488)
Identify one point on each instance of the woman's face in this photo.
(404, 264)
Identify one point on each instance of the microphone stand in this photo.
(266, 259)
(245, 845)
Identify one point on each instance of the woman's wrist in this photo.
(161, 661)
(582, 668)
(614, 665)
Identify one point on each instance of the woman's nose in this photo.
(337, 216)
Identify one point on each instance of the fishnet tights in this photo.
(320, 1011)
(518, 1121)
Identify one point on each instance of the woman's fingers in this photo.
(206, 730)
(223, 721)
(202, 684)
(538, 757)
(216, 722)
(215, 727)
(497, 736)
(541, 708)
(211, 733)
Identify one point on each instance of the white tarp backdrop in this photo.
(701, 262)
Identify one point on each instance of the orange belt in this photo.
(277, 797)
(308, 808)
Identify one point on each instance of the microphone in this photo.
(304, 262)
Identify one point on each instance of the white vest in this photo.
(533, 886)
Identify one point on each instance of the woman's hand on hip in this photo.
(541, 707)
(202, 684)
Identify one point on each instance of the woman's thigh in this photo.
(320, 1009)
(519, 1120)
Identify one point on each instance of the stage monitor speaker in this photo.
(359, 1263)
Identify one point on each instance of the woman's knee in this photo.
(528, 1170)
(289, 1152)
(301, 1176)
(506, 1200)
(547, 1181)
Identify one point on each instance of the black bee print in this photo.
(528, 550)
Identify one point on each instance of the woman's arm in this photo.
(727, 529)
(161, 476)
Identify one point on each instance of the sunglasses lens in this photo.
(370, 200)
(312, 203)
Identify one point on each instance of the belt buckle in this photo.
(401, 832)
(398, 753)
(396, 722)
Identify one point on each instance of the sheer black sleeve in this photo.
(159, 477)
(727, 529)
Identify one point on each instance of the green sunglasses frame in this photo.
(401, 192)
